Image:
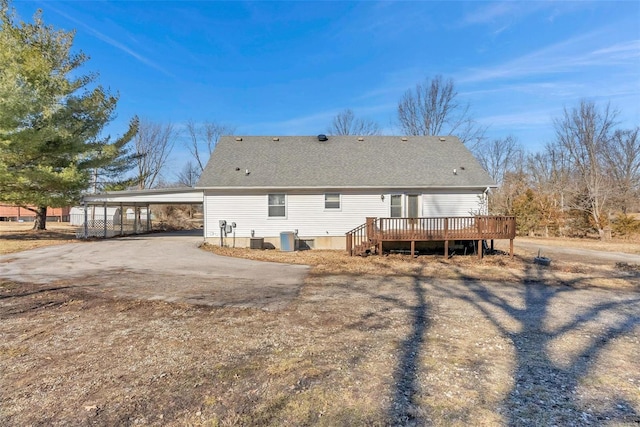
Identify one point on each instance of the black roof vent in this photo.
(322, 137)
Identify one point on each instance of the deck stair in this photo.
(362, 240)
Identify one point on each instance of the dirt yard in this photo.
(366, 341)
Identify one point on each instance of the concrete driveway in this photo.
(166, 266)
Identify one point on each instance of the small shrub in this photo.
(625, 225)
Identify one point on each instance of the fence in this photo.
(114, 225)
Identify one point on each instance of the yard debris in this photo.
(541, 260)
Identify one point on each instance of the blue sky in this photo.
(287, 68)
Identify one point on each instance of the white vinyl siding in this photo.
(307, 213)
(446, 204)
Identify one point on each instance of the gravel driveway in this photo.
(166, 266)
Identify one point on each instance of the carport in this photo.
(119, 213)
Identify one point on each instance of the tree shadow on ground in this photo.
(31, 235)
(545, 391)
(404, 409)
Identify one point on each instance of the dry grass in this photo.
(367, 342)
(616, 245)
(350, 350)
(492, 267)
(16, 237)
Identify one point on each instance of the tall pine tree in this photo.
(51, 118)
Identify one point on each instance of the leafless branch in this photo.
(346, 123)
(432, 108)
(153, 144)
(203, 138)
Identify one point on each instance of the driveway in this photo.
(166, 266)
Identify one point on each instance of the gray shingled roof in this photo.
(342, 162)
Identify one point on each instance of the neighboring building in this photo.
(17, 213)
(323, 187)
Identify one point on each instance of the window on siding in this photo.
(396, 206)
(332, 201)
(277, 207)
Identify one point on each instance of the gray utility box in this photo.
(287, 241)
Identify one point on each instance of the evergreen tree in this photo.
(51, 117)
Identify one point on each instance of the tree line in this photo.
(52, 150)
(587, 180)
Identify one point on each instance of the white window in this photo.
(332, 201)
(277, 205)
(396, 206)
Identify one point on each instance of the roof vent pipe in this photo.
(322, 137)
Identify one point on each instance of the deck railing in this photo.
(447, 228)
(479, 227)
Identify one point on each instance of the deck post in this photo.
(349, 248)
(370, 227)
(446, 248)
(413, 248)
(511, 248)
(479, 249)
(446, 228)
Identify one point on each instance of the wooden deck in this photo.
(371, 235)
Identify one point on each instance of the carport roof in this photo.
(165, 196)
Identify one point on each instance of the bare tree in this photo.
(622, 156)
(584, 132)
(346, 123)
(500, 156)
(432, 108)
(203, 139)
(550, 172)
(153, 144)
(189, 175)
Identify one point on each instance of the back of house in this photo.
(319, 188)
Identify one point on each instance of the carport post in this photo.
(121, 221)
(135, 219)
(105, 220)
(86, 221)
(148, 219)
